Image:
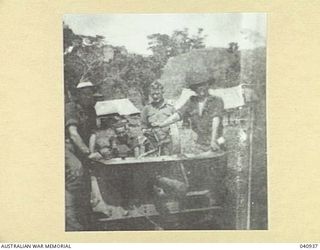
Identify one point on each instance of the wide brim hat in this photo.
(82, 85)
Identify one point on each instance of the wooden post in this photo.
(251, 121)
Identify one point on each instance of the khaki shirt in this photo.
(151, 114)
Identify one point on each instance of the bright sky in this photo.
(131, 30)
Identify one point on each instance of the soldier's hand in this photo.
(214, 146)
(95, 156)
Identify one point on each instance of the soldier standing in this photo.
(169, 182)
(203, 111)
(205, 115)
(156, 112)
(80, 122)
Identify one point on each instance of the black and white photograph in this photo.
(165, 121)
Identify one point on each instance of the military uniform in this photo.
(77, 179)
(153, 114)
(202, 175)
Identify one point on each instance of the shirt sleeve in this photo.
(71, 115)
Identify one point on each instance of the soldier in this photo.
(204, 112)
(156, 112)
(80, 121)
(100, 140)
(169, 182)
(123, 143)
(113, 139)
(205, 115)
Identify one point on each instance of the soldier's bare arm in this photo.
(136, 152)
(177, 115)
(170, 120)
(77, 140)
(92, 143)
(214, 134)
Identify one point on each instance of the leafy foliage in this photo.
(164, 46)
(118, 73)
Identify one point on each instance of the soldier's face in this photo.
(156, 95)
(86, 97)
(202, 90)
